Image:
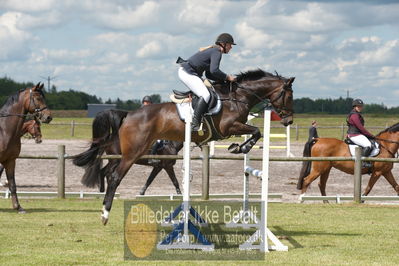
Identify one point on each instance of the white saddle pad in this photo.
(374, 152)
(183, 109)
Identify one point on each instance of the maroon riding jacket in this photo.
(355, 119)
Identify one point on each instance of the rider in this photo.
(146, 100)
(356, 131)
(158, 143)
(206, 59)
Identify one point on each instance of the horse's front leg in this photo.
(10, 172)
(243, 129)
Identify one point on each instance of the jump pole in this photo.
(179, 238)
(263, 234)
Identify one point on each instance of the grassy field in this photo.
(54, 131)
(66, 232)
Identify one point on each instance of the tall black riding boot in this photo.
(365, 153)
(202, 107)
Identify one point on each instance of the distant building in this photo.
(94, 108)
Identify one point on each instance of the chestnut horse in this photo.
(31, 127)
(141, 128)
(330, 147)
(12, 115)
(108, 120)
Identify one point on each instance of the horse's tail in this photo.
(306, 165)
(105, 131)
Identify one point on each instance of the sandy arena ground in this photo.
(225, 176)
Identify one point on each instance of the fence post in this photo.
(357, 197)
(288, 133)
(342, 131)
(72, 128)
(61, 171)
(296, 132)
(205, 172)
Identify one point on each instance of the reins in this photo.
(29, 115)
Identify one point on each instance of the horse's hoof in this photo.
(234, 148)
(104, 216)
(21, 210)
(142, 192)
(178, 191)
(104, 220)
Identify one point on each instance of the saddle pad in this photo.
(375, 151)
(184, 108)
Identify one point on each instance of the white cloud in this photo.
(254, 38)
(201, 13)
(152, 48)
(27, 5)
(114, 16)
(14, 42)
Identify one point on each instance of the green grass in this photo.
(54, 131)
(69, 232)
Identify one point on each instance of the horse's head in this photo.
(259, 86)
(35, 103)
(33, 128)
(283, 101)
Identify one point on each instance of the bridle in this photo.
(281, 94)
(36, 113)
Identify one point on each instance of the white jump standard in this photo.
(245, 216)
(179, 237)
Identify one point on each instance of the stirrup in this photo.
(200, 129)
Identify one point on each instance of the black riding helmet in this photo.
(225, 38)
(146, 99)
(357, 102)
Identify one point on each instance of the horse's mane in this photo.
(11, 99)
(391, 129)
(256, 75)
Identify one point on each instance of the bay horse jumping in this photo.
(108, 120)
(17, 108)
(142, 127)
(330, 147)
(32, 128)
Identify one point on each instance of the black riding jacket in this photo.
(208, 61)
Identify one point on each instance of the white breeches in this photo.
(361, 140)
(195, 84)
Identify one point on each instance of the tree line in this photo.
(77, 100)
(70, 99)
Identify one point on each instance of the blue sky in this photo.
(127, 49)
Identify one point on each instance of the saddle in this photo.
(374, 144)
(186, 96)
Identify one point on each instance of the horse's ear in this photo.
(37, 85)
(290, 81)
(41, 86)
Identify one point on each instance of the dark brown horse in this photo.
(32, 128)
(12, 115)
(107, 120)
(329, 147)
(141, 128)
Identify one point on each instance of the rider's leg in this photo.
(155, 147)
(197, 86)
(365, 143)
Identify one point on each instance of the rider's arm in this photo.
(214, 70)
(355, 120)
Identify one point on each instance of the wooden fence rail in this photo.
(61, 157)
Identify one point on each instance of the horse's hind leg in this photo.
(10, 171)
(314, 174)
(323, 182)
(171, 172)
(391, 179)
(373, 178)
(155, 171)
